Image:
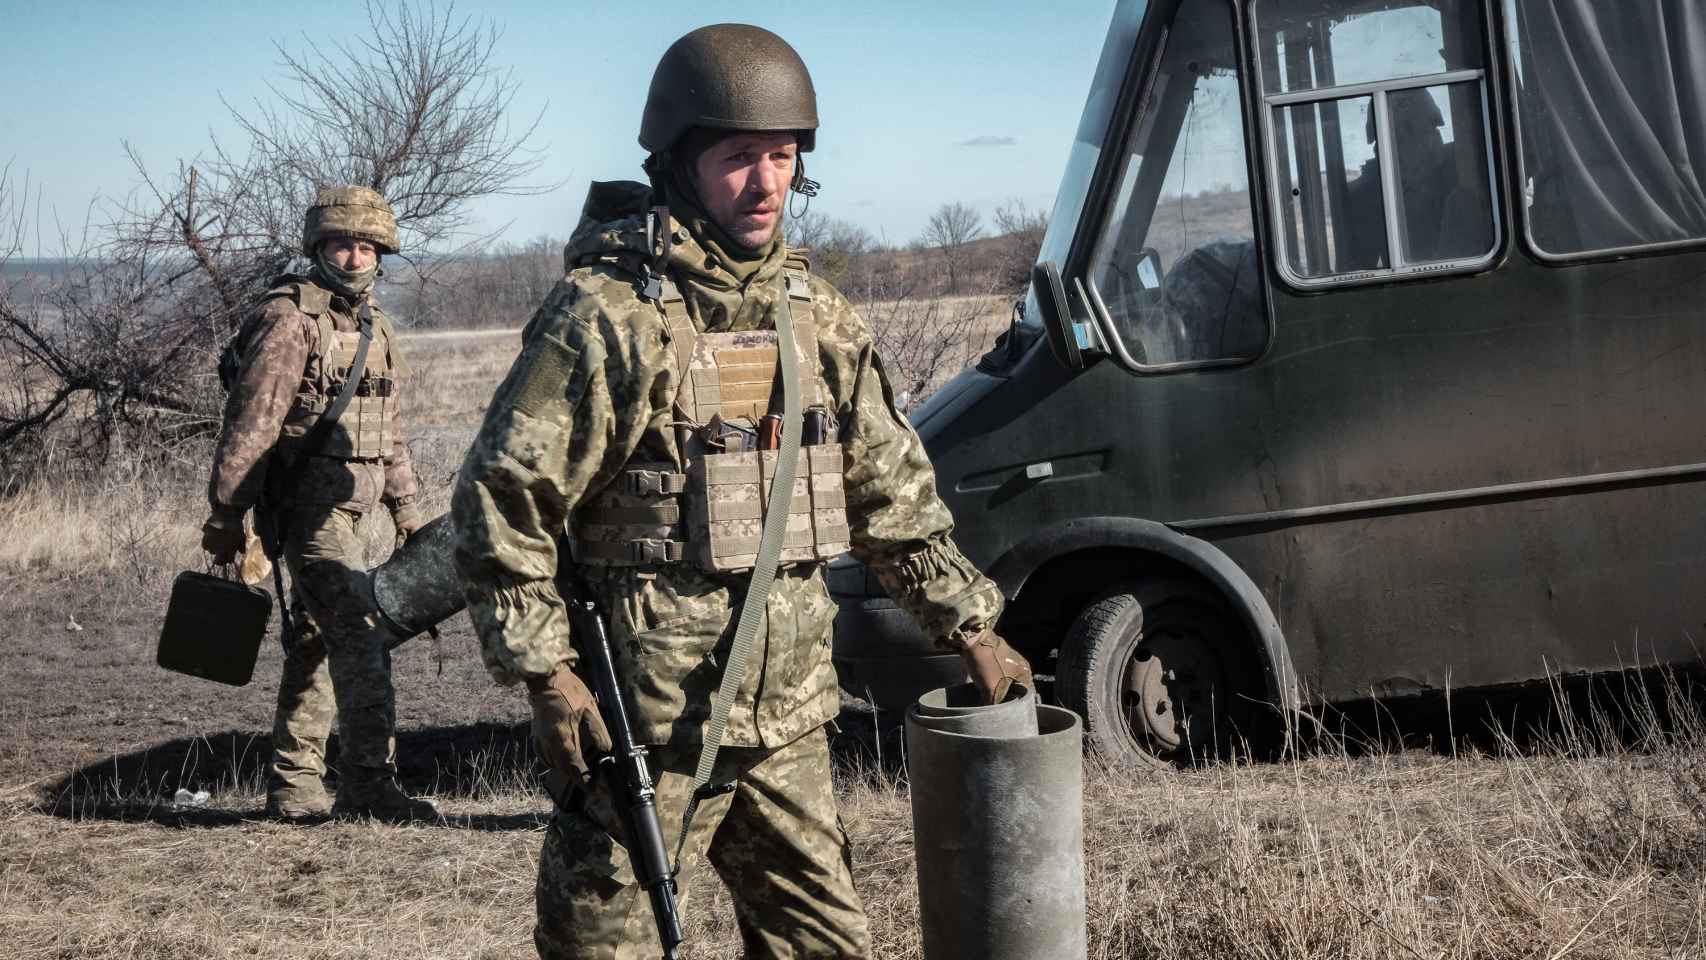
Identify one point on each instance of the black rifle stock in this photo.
(629, 778)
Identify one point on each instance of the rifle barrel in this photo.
(646, 851)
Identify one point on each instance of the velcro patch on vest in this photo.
(544, 368)
(733, 374)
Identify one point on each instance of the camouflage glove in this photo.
(566, 722)
(222, 536)
(406, 517)
(994, 665)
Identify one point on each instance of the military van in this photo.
(1365, 357)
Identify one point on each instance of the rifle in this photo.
(269, 524)
(626, 768)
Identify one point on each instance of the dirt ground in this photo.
(96, 859)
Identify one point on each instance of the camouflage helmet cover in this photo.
(358, 212)
(729, 76)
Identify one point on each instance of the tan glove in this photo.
(566, 723)
(407, 519)
(222, 536)
(995, 666)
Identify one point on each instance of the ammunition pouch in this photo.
(729, 502)
(710, 509)
(364, 431)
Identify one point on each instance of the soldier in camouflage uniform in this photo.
(312, 486)
(618, 453)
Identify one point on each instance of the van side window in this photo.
(1377, 140)
(1610, 100)
(1175, 267)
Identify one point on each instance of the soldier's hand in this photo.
(995, 666)
(222, 536)
(407, 520)
(566, 724)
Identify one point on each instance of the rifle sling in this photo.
(316, 437)
(754, 607)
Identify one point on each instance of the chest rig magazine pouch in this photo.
(710, 509)
(341, 377)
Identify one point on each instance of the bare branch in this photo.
(117, 345)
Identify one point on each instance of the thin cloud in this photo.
(987, 141)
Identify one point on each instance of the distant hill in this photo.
(48, 268)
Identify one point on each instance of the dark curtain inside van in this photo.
(1612, 97)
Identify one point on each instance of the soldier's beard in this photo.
(738, 260)
(352, 284)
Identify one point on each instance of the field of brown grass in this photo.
(1587, 842)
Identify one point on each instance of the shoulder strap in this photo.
(683, 337)
(754, 607)
(797, 282)
(316, 438)
(312, 299)
(383, 327)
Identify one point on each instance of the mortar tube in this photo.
(998, 825)
(418, 587)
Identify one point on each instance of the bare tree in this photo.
(838, 250)
(415, 110)
(950, 229)
(1022, 230)
(497, 288)
(89, 348)
(809, 230)
(923, 339)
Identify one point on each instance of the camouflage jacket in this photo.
(281, 368)
(592, 390)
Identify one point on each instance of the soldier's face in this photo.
(743, 181)
(347, 253)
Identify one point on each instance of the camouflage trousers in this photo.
(776, 841)
(337, 664)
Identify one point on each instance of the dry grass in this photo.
(1587, 842)
(1588, 846)
(452, 375)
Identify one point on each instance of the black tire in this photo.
(1162, 675)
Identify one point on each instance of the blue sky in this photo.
(906, 92)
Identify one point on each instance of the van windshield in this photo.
(1175, 268)
(1111, 70)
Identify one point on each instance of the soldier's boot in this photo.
(376, 794)
(304, 801)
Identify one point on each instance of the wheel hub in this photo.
(1171, 681)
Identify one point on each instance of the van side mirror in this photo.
(1056, 315)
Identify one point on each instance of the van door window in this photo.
(1377, 138)
(1609, 110)
(1174, 267)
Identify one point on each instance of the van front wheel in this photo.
(1158, 671)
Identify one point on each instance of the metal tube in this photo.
(417, 588)
(997, 808)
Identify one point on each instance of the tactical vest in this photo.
(709, 509)
(363, 431)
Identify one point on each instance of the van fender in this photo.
(1017, 565)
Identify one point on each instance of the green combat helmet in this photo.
(358, 212)
(729, 76)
